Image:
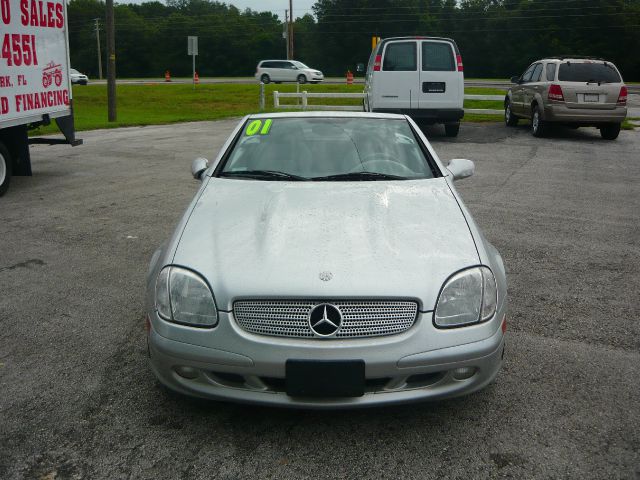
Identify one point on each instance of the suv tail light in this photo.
(555, 93)
(459, 62)
(377, 64)
(622, 98)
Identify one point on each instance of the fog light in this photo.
(186, 372)
(463, 373)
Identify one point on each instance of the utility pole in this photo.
(291, 55)
(97, 20)
(285, 32)
(111, 63)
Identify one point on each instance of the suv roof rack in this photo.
(576, 57)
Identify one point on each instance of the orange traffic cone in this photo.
(167, 76)
(349, 78)
(196, 78)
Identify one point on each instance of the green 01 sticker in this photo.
(257, 126)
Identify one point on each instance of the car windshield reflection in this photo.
(327, 149)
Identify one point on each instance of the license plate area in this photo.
(434, 87)
(591, 98)
(324, 378)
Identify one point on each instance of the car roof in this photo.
(329, 114)
(421, 37)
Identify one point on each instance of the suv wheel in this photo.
(610, 131)
(265, 78)
(452, 129)
(509, 118)
(302, 79)
(538, 126)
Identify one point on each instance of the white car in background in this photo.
(77, 77)
(286, 71)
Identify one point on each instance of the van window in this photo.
(400, 57)
(437, 57)
(267, 65)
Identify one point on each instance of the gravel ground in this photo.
(77, 399)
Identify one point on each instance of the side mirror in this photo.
(198, 167)
(461, 168)
(360, 67)
(515, 79)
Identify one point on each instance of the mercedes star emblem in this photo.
(325, 320)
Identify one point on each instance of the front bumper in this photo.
(250, 368)
(583, 116)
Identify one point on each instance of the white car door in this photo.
(397, 81)
(441, 84)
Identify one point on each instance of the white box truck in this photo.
(34, 80)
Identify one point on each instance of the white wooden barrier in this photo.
(304, 105)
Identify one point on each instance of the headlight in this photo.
(470, 296)
(184, 297)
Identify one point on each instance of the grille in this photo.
(284, 318)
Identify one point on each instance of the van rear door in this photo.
(396, 82)
(441, 85)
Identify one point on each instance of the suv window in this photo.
(551, 71)
(526, 76)
(400, 57)
(588, 72)
(437, 57)
(535, 75)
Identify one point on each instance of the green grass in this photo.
(154, 104)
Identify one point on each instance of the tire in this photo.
(452, 129)
(538, 126)
(5, 169)
(302, 79)
(610, 131)
(265, 78)
(510, 119)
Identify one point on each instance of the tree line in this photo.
(497, 38)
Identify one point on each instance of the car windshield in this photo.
(73, 70)
(588, 72)
(327, 149)
(299, 64)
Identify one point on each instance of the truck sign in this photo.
(34, 62)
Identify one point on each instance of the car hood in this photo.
(326, 239)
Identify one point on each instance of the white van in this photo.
(286, 71)
(418, 76)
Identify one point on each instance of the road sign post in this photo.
(192, 49)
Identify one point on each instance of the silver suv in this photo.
(574, 91)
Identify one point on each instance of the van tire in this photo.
(452, 129)
(538, 125)
(265, 78)
(302, 79)
(610, 131)
(5, 169)
(510, 119)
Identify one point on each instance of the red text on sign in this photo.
(19, 49)
(36, 13)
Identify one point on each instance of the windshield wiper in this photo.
(359, 176)
(262, 174)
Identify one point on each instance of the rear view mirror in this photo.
(198, 167)
(515, 79)
(461, 168)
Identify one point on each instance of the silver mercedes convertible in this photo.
(327, 261)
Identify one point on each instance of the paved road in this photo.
(78, 401)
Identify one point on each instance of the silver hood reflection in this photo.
(383, 240)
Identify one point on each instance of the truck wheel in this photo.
(610, 131)
(452, 129)
(5, 169)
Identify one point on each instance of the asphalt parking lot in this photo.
(77, 399)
